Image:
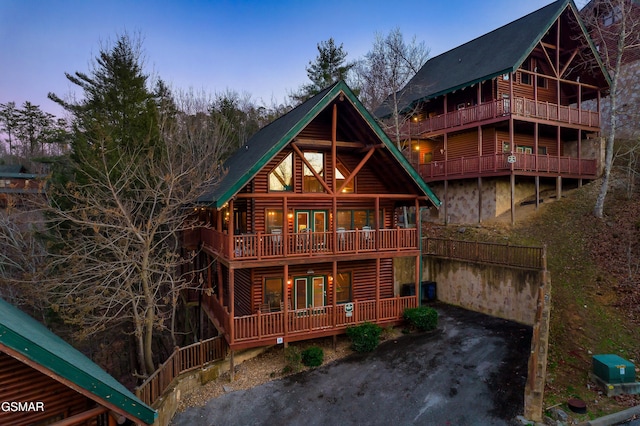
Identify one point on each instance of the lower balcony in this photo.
(270, 328)
(502, 164)
(276, 245)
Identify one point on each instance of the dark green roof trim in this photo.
(246, 163)
(23, 334)
(413, 104)
(497, 52)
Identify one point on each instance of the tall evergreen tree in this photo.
(329, 66)
(122, 201)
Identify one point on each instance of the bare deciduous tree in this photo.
(386, 69)
(614, 26)
(115, 254)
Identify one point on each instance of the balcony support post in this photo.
(537, 180)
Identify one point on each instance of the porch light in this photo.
(290, 215)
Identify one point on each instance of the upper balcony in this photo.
(500, 110)
(263, 246)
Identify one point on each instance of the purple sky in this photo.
(259, 48)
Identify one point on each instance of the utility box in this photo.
(613, 369)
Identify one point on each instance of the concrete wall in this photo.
(509, 293)
(404, 272)
(462, 198)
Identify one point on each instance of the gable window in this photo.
(341, 175)
(281, 178)
(309, 181)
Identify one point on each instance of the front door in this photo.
(309, 292)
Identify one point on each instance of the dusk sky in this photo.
(259, 48)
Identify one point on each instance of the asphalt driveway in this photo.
(471, 371)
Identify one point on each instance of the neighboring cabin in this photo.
(503, 117)
(16, 184)
(312, 229)
(54, 382)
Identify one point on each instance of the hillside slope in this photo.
(595, 287)
(595, 272)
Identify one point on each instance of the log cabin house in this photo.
(16, 185)
(503, 117)
(308, 226)
(45, 381)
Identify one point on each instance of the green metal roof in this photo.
(246, 162)
(34, 341)
(496, 53)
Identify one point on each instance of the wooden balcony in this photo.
(498, 164)
(501, 109)
(265, 328)
(308, 244)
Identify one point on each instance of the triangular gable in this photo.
(245, 163)
(34, 342)
(498, 52)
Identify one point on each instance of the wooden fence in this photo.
(181, 360)
(483, 252)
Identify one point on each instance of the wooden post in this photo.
(231, 366)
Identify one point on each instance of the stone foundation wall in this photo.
(462, 199)
(496, 290)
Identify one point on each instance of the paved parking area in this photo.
(471, 371)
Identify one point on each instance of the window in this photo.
(506, 147)
(275, 220)
(341, 175)
(352, 219)
(281, 178)
(525, 77)
(309, 181)
(273, 293)
(524, 149)
(343, 287)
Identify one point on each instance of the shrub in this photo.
(293, 358)
(313, 356)
(422, 318)
(364, 337)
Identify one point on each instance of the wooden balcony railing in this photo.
(522, 107)
(499, 163)
(485, 252)
(270, 246)
(181, 360)
(265, 327)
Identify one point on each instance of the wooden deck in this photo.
(498, 110)
(263, 329)
(498, 164)
(305, 244)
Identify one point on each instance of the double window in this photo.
(281, 178)
(356, 219)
